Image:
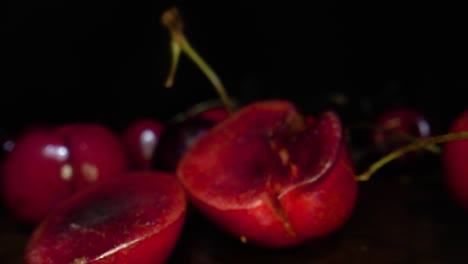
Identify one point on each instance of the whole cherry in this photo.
(397, 127)
(177, 140)
(454, 160)
(141, 139)
(134, 218)
(45, 167)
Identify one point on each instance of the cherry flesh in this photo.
(135, 218)
(454, 160)
(141, 139)
(47, 166)
(269, 177)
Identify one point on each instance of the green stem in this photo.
(172, 20)
(418, 144)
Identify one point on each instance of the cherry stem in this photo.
(405, 136)
(418, 144)
(179, 43)
(196, 109)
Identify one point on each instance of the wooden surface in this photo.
(401, 217)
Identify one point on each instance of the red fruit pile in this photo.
(265, 173)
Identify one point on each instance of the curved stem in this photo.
(418, 144)
(172, 20)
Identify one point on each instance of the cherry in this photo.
(141, 139)
(397, 127)
(177, 140)
(8, 140)
(270, 175)
(134, 218)
(454, 157)
(47, 166)
(266, 176)
(215, 114)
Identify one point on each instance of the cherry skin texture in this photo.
(269, 177)
(398, 123)
(141, 139)
(135, 218)
(454, 158)
(47, 166)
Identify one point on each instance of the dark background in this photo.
(106, 60)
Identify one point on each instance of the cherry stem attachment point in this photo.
(179, 43)
(416, 145)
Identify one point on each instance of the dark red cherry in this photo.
(398, 127)
(455, 162)
(177, 140)
(141, 139)
(216, 114)
(135, 218)
(271, 178)
(47, 166)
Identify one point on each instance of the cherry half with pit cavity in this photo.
(268, 177)
(134, 218)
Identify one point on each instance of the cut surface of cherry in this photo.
(47, 166)
(271, 178)
(136, 218)
(141, 138)
(398, 127)
(455, 163)
(176, 141)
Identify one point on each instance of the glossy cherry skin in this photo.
(47, 166)
(141, 138)
(177, 140)
(271, 178)
(133, 218)
(394, 126)
(454, 157)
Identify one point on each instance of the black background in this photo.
(106, 61)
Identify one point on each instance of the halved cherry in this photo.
(271, 178)
(135, 218)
